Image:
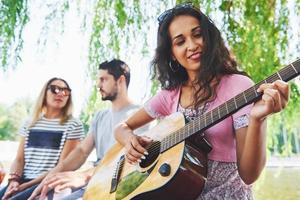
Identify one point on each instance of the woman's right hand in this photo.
(135, 148)
(12, 189)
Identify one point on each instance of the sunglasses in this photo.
(56, 90)
(161, 18)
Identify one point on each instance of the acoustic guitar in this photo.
(174, 168)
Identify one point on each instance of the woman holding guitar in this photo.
(198, 73)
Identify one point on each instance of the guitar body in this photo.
(185, 180)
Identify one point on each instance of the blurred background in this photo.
(68, 39)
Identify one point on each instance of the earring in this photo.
(174, 68)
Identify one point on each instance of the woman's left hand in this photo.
(23, 186)
(275, 98)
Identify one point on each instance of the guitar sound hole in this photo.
(154, 150)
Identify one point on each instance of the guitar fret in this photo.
(230, 105)
(181, 136)
(219, 112)
(279, 76)
(172, 139)
(166, 142)
(272, 78)
(208, 118)
(250, 94)
(215, 115)
(201, 119)
(255, 91)
(226, 107)
(245, 97)
(286, 73)
(162, 145)
(294, 67)
(234, 102)
(169, 141)
(190, 129)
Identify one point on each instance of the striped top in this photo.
(44, 143)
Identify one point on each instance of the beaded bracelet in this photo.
(15, 174)
(16, 179)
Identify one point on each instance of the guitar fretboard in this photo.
(219, 113)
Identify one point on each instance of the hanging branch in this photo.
(13, 18)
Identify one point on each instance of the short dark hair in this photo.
(116, 68)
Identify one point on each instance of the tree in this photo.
(13, 18)
(259, 33)
(12, 117)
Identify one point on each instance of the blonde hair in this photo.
(40, 106)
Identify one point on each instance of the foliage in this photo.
(13, 17)
(12, 117)
(125, 23)
(93, 102)
(257, 32)
(53, 20)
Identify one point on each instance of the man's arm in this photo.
(77, 157)
(69, 179)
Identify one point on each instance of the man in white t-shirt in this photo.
(113, 81)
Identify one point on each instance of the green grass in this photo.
(278, 184)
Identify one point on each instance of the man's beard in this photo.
(110, 97)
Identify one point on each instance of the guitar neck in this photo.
(226, 109)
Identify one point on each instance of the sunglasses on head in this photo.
(56, 90)
(161, 18)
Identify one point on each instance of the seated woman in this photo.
(197, 74)
(46, 139)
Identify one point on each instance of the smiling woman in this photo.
(199, 75)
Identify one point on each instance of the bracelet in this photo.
(15, 174)
(16, 179)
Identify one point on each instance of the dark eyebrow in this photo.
(178, 36)
(193, 29)
(196, 28)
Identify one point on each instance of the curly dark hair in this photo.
(216, 59)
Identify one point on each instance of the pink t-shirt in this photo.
(222, 135)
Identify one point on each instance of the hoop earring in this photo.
(174, 68)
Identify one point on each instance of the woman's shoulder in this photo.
(169, 93)
(233, 84)
(237, 77)
(236, 81)
(74, 121)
